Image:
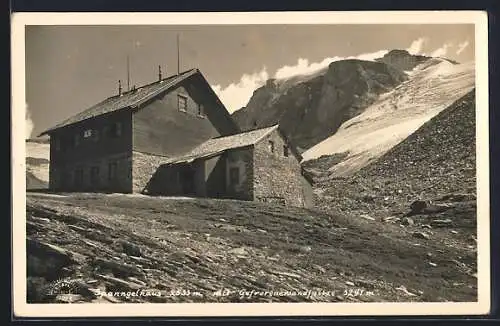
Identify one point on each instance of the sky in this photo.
(70, 68)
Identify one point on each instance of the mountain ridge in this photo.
(302, 105)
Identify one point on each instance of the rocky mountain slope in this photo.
(133, 248)
(435, 163)
(356, 107)
(311, 108)
(432, 87)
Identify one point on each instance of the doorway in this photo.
(187, 179)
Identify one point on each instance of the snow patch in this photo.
(433, 86)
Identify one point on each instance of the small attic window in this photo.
(286, 151)
(182, 102)
(87, 133)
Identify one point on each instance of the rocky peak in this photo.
(402, 59)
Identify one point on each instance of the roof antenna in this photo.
(128, 73)
(119, 87)
(159, 72)
(178, 56)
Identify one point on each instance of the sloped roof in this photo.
(128, 99)
(218, 145)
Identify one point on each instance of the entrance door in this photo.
(187, 180)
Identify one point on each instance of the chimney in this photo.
(119, 88)
(159, 73)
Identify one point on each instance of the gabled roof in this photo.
(218, 145)
(215, 146)
(129, 99)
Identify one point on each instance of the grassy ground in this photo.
(100, 243)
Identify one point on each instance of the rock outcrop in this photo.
(311, 108)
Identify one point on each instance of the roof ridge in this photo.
(244, 132)
(202, 151)
(153, 83)
(120, 101)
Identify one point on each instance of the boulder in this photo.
(47, 260)
(432, 209)
(441, 223)
(238, 251)
(407, 221)
(117, 268)
(418, 206)
(421, 235)
(131, 249)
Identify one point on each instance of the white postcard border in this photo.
(23, 309)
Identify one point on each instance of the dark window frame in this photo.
(112, 171)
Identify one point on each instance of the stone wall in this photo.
(277, 178)
(144, 168)
(242, 159)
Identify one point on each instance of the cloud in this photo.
(416, 46)
(303, 67)
(442, 50)
(29, 125)
(236, 95)
(462, 46)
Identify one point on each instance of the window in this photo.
(87, 133)
(182, 102)
(112, 170)
(76, 140)
(285, 151)
(234, 175)
(115, 130)
(94, 175)
(201, 110)
(57, 144)
(78, 177)
(271, 146)
(118, 129)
